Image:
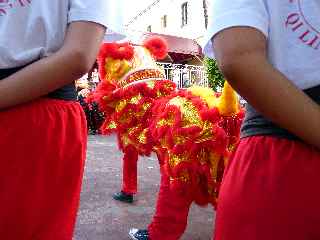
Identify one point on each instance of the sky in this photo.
(133, 7)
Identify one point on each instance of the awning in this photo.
(180, 49)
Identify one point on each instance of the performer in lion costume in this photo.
(192, 131)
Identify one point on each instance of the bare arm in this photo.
(73, 60)
(241, 54)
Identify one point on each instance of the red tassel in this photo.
(157, 46)
(116, 51)
(211, 115)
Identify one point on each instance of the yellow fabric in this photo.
(227, 103)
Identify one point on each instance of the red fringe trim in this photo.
(225, 133)
(157, 46)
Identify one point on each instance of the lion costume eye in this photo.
(116, 68)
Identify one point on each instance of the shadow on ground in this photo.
(102, 218)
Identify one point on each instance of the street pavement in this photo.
(102, 218)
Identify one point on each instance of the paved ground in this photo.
(102, 218)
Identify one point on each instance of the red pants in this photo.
(171, 217)
(130, 171)
(270, 191)
(42, 148)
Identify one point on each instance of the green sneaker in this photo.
(123, 197)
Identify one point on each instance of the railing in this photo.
(182, 75)
(185, 75)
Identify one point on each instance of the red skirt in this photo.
(270, 191)
(42, 146)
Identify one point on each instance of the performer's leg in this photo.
(41, 166)
(261, 196)
(170, 219)
(129, 176)
(171, 216)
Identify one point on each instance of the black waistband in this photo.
(314, 93)
(67, 92)
(255, 124)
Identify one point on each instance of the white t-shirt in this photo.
(292, 28)
(33, 29)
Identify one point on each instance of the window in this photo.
(149, 28)
(164, 21)
(184, 8)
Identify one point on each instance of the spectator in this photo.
(44, 47)
(269, 51)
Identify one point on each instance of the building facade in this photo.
(182, 18)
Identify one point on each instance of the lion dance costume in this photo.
(192, 131)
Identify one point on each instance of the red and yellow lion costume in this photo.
(193, 131)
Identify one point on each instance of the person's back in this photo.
(41, 26)
(269, 52)
(294, 39)
(44, 47)
(292, 28)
